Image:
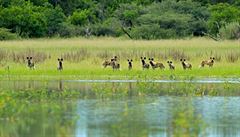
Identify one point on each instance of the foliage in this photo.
(5, 34)
(222, 14)
(177, 18)
(82, 17)
(24, 20)
(230, 31)
(171, 19)
(54, 18)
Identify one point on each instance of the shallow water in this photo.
(119, 108)
(207, 81)
(160, 116)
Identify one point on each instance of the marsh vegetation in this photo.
(59, 87)
(68, 108)
(84, 58)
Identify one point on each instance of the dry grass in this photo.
(232, 56)
(76, 49)
(85, 56)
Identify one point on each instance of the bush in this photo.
(101, 30)
(169, 19)
(55, 17)
(152, 32)
(82, 17)
(230, 31)
(5, 34)
(110, 27)
(222, 14)
(69, 30)
(26, 20)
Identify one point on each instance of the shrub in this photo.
(82, 17)
(222, 14)
(26, 20)
(230, 31)
(69, 30)
(110, 27)
(152, 32)
(5, 34)
(55, 17)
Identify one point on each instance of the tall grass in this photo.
(85, 56)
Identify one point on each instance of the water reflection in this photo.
(93, 90)
(160, 116)
(61, 108)
(38, 119)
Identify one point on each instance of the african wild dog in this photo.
(115, 65)
(185, 64)
(156, 64)
(171, 66)
(209, 62)
(130, 65)
(30, 63)
(60, 64)
(109, 62)
(144, 64)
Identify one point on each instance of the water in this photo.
(160, 116)
(208, 81)
(115, 108)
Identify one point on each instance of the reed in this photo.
(84, 57)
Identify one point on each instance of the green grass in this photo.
(83, 58)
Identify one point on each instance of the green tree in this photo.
(230, 31)
(7, 3)
(222, 14)
(24, 20)
(55, 17)
(207, 2)
(127, 14)
(39, 2)
(82, 17)
(178, 19)
(29, 20)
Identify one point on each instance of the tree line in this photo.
(137, 19)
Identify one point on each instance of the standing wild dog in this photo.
(115, 65)
(209, 62)
(185, 64)
(109, 62)
(156, 64)
(171, 66)
(30, 63)
(144, 64)
(60, 64)
(130, 65)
